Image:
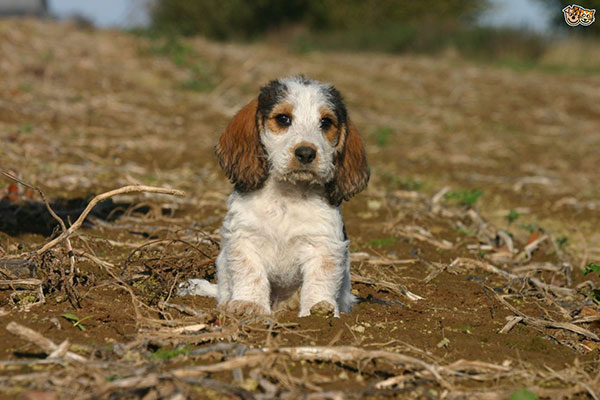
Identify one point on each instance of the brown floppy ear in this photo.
(352, 171)
(240, 152)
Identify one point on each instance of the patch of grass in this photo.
(165, 354)
(26, 128)
(183, 55)
(383, 135)
(200, 83)
(465, 197)
(482, 253)
(530, 227)
(562, 242)
(512, 216)
(26, 87)
(463, 231)
(403, 183)
(591, 267)
(595, 296)
(113, 378)
(171, 46)
(382, 242)
(523, 394)
(75, 320)
(466, 329)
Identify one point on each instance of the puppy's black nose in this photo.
(305, 154)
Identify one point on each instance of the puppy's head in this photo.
(297, 130)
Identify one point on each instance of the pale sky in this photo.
(103, 13)
(529, 14)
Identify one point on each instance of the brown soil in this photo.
(84, 111)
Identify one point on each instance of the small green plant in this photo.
(75, 320)
(562, 242)
(113, 378)
(530, 227)
(523, 394)
(591, 267)
(383, 134)
(382, 242)
(463, 231)
(403, 183)
(183, 55)
(25, 87)
(166, 354)
(195, 85)
(595, 296)
(173, 47)
(465, 197)
(512, 216)
(26, 127)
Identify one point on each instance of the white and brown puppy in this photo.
(294, 156)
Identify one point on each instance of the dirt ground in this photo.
(482, 210)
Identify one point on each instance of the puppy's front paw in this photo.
(323, 309)
(243, 308)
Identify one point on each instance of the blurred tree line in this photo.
(241, 19)
(374, 25)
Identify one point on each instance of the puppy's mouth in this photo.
(302, 175)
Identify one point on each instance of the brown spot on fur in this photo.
(240, 151)
(333, 133)
(281, 108)
(352, 171)
(328, 266)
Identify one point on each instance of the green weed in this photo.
(26, 128)
(523, 394)
(465, 197)
(512, 216)
(463, 231)
(383, 135)
(26, 87)
(403, 183)
(466, 329)
(166, 354)
(382, 242)
(530, 227)
(182, 55)
(591, 267)
(75, 320)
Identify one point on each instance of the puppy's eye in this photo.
(326, 123)
(283, 120)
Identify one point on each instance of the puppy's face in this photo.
(301, 125)
(297, 130)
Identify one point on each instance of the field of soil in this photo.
(468, 248)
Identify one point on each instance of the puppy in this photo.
(294, 156)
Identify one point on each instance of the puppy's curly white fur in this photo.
(294, 156)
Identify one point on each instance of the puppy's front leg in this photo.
(250, 288)
(322, 276)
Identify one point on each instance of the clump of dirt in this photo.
(468, 248)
